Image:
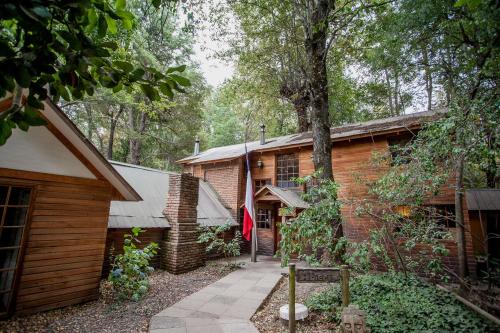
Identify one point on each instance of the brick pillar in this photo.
(181, 252)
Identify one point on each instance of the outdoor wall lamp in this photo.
(260, 164)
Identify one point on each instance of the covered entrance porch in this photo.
(273, 206)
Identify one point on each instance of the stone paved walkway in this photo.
(225, 306)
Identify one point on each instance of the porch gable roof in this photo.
(289, 197)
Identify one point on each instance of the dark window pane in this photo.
(287, 169)
(6, 280)
(3, 194)
(19, 196)
(11, 237)
(16, 216)
(8, 258)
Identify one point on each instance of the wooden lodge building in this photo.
(154, 187)
(55, 193)
(275, 161)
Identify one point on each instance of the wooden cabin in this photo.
(153, 187)
(276, 161)
(55, 193)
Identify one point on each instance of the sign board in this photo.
(318, 275)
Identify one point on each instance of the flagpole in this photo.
(253, 251)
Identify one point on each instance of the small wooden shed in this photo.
(55, 193)
(153, 186)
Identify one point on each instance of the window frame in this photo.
(289, 183)
(24, 238)
(267, 181)
(269, 214)
(395, 144)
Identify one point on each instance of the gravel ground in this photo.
(267, 320)
(106, 315)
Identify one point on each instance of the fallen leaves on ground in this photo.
(267, 319)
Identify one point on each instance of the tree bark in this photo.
(427, 76)
(316, 28)
(135, 142)
(300, 106)
(112, 127)
(90, 121)
(459, 217)
(389, 91)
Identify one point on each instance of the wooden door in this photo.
(276, 225)
(14, 208)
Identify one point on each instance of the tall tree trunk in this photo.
(316, 27)
(427, 76)
(397, 106)
(459, 216)
(112, 128)
(389, 91)
(300, 105)
(90, 121)
(135, 142)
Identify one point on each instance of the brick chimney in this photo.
(181, 251)
(262, 134)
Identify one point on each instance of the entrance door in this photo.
(493, 225)
(14, 206)
(276, 231)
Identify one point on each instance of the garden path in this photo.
(225, 306)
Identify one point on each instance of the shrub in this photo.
(315, 228)
(396, 304)
(214, 238)
(129, 273)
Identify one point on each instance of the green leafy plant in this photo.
(315, 228)
(394, 303)
(69, 47)
(214, 238)
(129, 273)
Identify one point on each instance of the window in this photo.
(264, 218)
(287, 169)
(399, 148)
(14, 204)
(260, 183)
(443, 215)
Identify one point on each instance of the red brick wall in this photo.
(353, 166)
(225, 177)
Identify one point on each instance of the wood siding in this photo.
(353, 167)
(114, 241)
(64, 250)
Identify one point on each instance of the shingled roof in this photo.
(152, 185)
(483, 199)
(372, 127)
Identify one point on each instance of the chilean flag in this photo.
(249, 212)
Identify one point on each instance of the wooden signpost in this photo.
(315, 275)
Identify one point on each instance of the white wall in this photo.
(39, 150)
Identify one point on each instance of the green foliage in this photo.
(71, 47)
(394, 303)
(129, 273)
(315, 228)
(214, 238)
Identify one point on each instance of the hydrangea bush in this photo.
(130, 270)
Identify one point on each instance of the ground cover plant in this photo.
(130, 270)
(394, 303)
